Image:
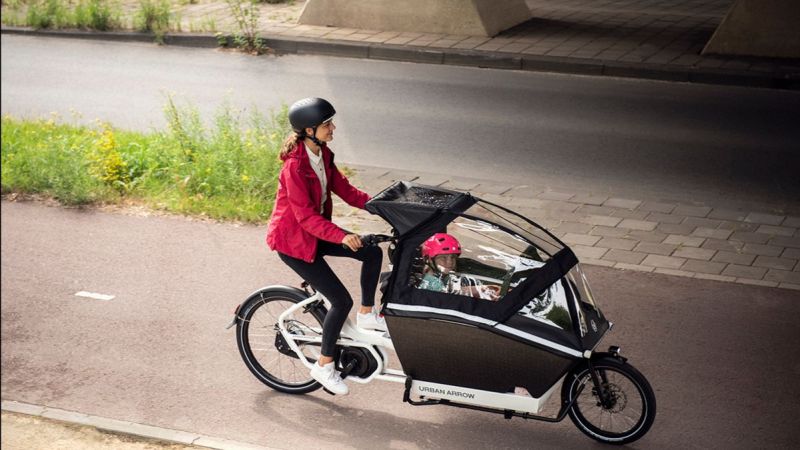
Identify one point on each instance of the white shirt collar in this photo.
(314, 158)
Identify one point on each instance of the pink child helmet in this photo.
(441, 244)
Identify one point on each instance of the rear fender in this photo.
(258, 294)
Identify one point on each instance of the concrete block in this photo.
(666, 262)
(589, 199)
(562, 64)
(658, 207)
(595, 210)
(720, 244)
(674, 272)
(664, 218)
(738, 271)
(775, 262)
(657, 249)
(677, 229)
(786, 241)
(478, 59)
(587, 252)
(574, 227)
(712, 233)
(580, 239)
(756, 282)
(623, 203)
(601, 230)
(624, 256)
(601, 220)
(637, 69)
(694, 211)
(630, 214)
(597, 262)
(776, 230)
(694, 253)
(727, 214)
(793, 253)
(708, 276)
(795, 287)
(702, 222)
(765, 219)
(617, 243)
(638, 225)
(694, 265)
(791, 222)
(333, 48)
(765, 250)
(449, 17)
(686, 241)
(636, 267)
(399, 53)
(647, 236)
(746, 236)
(733, 258)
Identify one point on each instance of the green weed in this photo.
(226, 170)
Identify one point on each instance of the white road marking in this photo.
(94, 295)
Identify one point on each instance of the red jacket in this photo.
(296, 222)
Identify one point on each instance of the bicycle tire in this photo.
(258, 339)
(632, 408)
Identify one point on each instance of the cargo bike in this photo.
(537, 334)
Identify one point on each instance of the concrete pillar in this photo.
(457, 17)
(767, 28)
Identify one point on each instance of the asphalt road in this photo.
(722, 358)
(624, 137)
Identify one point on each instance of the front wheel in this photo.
(262, 346)
(618, 411)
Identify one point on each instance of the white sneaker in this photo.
(329, 378)
(371, 321)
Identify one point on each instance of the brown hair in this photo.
(289, 144)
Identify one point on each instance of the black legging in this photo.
(322, 278)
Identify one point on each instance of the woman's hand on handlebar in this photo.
(352, 241)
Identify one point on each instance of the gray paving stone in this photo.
(786, 241)
(558, 206)
(708, 276)
(601, 220)
(773, 262)
(756, 282)
(687, 241)
(583, 251)
(595, 210)
(694, 253)
(630, 214)
(694, 211)
(782, 276)
(574, 227)
(694, 265)
(665, 218)
(701, 222)
(793, 253)
(597, 262)
(553, 195)
(776, 230)
(460, 185)
(491, 188)
(623, 203)
(582, 239)
(430, 179)
(734, 258)
(617, 243)
(525, 192)
(720, 244)
(601, 230)
(727, 214)
(647, 236)
(666, 262)
(796, 287)
(624, 256)
(735, 270)
(677, 229)
(657, 249)
(791, 222)
(658, 207)
(738, 226)
(589, 199)
(766, 219)
(674, 272)
(746, 236)
(712, 233)
(637, 267)
(765, 250)
(638, 225)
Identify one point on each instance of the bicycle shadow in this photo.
(328, 422)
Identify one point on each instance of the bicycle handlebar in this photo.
(373, 239)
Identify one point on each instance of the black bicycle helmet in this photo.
(310, 113)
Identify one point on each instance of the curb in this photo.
(129, 428)
(574, 66)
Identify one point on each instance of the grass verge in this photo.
(227, 170)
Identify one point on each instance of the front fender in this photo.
(258, 295)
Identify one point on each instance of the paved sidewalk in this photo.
(625, 38)
(758, 245)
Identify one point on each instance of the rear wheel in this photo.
(263, 348)
(622, 413)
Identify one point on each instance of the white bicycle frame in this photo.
(378, 343)
(375, 342)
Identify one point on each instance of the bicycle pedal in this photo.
(329, 392)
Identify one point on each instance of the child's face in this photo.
(445, 263)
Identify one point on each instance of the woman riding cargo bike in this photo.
(507, 352)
